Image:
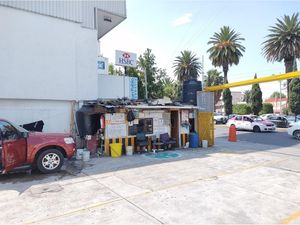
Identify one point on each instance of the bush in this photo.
(267, 108)
(241, 109)
(286, 111)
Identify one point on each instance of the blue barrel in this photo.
(194, 140)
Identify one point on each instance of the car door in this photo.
(13, 146)
(238, 122)
(247, 123)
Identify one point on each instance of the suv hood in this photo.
(49, 135)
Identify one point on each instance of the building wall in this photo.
(80, 11)
(112, 87)
(55, 114)
(46, 58)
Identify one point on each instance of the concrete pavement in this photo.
(233, 183)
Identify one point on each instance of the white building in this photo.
(237, 98)
(48, 55)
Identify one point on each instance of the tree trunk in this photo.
(289, 66)
(225, 70)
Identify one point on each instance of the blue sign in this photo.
(133, 85)
(100, 65)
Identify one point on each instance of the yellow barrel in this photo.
(116, 150)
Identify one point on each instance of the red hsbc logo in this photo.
(126, 55)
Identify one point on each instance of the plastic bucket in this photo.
(79, 153)
(204, 143)
(115, 150)
(129, 150)
(86, 156)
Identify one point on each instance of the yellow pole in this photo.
(285, 76)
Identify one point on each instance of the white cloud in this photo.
(185, 19)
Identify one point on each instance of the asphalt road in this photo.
(279, 137)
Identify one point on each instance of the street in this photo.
(277, 138)
(255, 180)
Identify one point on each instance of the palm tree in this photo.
(213, 78)
(226, 49)
(187, 66)
(283, 42)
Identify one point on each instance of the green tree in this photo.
(286, 111)
(146, 63)
(226, 49)
(294, 99)
(214, 78)
(267, 108)
(227, 99)
(187, 66)
(276, 94)
(246, 98)
(114, 71)
(241, 109)
(256, 98)
(283, 42)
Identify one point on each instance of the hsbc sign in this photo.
(125, 58)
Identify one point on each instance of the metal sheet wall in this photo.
(80, 11)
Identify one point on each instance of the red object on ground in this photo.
(232, 134)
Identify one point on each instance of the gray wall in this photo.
(79, 11)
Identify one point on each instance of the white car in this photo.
(254, 124)
(294, 130)
(220, 118)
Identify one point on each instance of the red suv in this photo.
(20, 148)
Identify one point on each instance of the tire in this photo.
(256, 129)
(296, 134)
(215, 122)
(50, 161)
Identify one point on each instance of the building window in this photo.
(146, 125)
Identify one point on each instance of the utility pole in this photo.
(125, 72)
(280, 111)
(202, 78)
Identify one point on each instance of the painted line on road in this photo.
(100, 204)
(75, 211)
(291, 218)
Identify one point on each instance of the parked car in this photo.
(220, 118)
(20, 149)
(279, 121)
(291, 120)
(294, 130)
(255, 124)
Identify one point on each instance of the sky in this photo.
(171, 26)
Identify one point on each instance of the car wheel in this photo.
(297, 134)
(215, 122)
(50, 161)
(256, 129)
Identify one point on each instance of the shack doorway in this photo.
(175, 126)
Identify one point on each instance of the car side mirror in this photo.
(24, 134)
